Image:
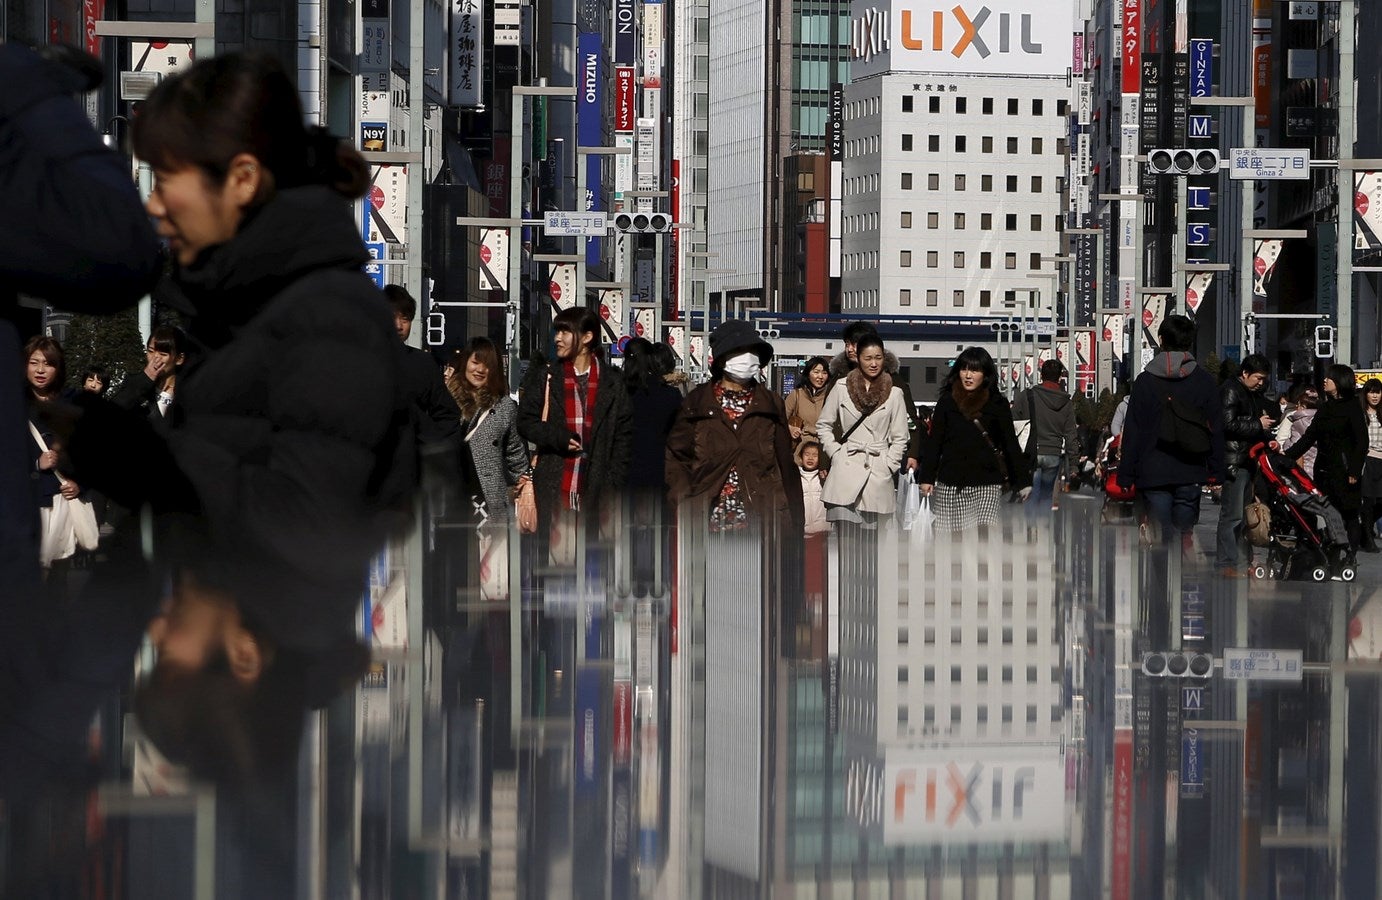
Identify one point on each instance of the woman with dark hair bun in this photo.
(971, 453)
(288, 454)
(1340, 433)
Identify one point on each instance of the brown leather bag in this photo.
(525, 500)
(1257, 523)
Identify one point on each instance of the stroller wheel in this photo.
(1348, 573)
(1261, 572)
(1319, 573)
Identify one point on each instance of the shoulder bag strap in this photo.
(998, 454)
(546, 408)
(857, 422)
(43, 448)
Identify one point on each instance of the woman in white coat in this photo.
(863, 429)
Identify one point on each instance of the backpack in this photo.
(1184, 430)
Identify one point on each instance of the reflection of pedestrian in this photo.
(971, 452)
(730, 446)
(863, 429)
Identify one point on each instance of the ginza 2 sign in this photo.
(982, 37)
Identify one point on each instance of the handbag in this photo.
(1257, 523)
(67, 524)
(1026, 430)
(525, 499)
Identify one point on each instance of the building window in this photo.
(901, 716)
(1036, 146)
(1011, 184)
(985, 299)
(959, 259)
(961, 105)
(1061, 109)
(902, 674)
(905, 259)
(959, 143)
(1031, 715)
(906, 142)
(987, 106)
(986, 144)
(933, 220)
(934, 104)
(981, 675)
(1012, 145)
(1036, 223)
(986, 182)
(933, 182)
(933, 259)
(955, 714)
(904, 297)
(1007, 674)
(1037, 107)
(986, 260)
(1010, 222)
(1007, 712)
(928, 635)
(930, 374)
(907, 103)
(1007, 634)
(954, 674)
(906, 181)
(902, 637)
(928, 674)
(957, 298)
(932, 298)
(1036, 184)
(1010, 260)
(959, 182)
(1060, 146)
(960, 219)
(1012, 106)
(906, 220)
(1010, 297)
(933, 143)
(1034, 261)
(985, 221)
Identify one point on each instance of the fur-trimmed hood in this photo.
(840, 365)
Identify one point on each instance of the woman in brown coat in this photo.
(729, 444)
(804, 404)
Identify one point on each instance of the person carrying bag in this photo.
(67, 524)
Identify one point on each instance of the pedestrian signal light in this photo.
(1175, 664)
(643, 222)
(1324, 341)
(1183, 161)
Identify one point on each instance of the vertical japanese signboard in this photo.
(466, 53)
(590, 126)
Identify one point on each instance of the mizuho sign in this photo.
(1026, 37)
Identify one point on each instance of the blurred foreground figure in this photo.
(289, 441)
(74, 236)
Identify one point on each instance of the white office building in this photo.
(955, 156)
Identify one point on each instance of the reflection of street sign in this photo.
(1241, 664)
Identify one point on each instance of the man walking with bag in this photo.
(1051, 435)
(1247, 422)
(1173, 438)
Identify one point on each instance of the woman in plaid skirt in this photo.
(971, 454)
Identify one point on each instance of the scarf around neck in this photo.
(868, 397)
(580, 419)
(971, 403)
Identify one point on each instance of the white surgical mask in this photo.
(743, 368)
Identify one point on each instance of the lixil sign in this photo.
(980, 37)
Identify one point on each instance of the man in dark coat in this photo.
(75, 236)
(845, 361)
(1052, 435)
(436, 416)
(584, 437)
(1247, 422)
(1167, 480)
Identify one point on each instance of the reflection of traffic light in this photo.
(643, 222)
(1324, 341)
(1182, 161)
(1177, 664)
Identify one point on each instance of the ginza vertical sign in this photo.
(1132, 46)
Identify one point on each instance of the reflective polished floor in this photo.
(1048, 709)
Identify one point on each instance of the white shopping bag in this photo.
(924, 523)
(908, 500)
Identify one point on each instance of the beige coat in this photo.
(861, 469)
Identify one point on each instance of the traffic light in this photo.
(1324, 341)
(1177, 664)
(643, 222)
(1183, 161)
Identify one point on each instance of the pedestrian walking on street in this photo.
(1173, 437)
(1248, 421)
(578, 419)
(45, 373)
(1054, 436)
(863, 431)
(654, 403)
(423, 388)
(493, 456)
(804, 403)
(1371, 399)
(808, 456)
(971, 455)
(1340, 432)
(730, 447)
(846, 360)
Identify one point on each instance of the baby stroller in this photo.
(1308, 538)
(1118, 501)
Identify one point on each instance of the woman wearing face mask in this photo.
(493, 456)
(729, 446)
(971, 453)
(804, 404)
(863, 429)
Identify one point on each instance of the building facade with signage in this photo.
(955, 137)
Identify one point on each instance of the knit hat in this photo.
(734, 335)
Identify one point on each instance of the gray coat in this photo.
(500, 456)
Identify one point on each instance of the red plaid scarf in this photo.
(579, 420)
